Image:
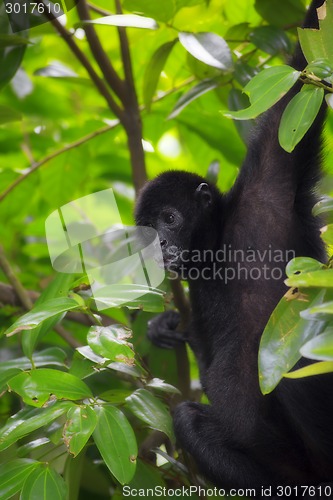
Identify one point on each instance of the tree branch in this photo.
(85, 139)
(99, 84)
(59, 152)
(22, 294)
(132, 116)
(110, 75)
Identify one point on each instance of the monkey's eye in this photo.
(169, 218)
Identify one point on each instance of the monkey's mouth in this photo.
(172, 261)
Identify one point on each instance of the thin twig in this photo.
(49, 157)
(64, 334)
(99, 10)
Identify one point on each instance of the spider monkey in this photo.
(242, 438)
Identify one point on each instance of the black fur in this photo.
(244, 439)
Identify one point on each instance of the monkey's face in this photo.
(175, 204)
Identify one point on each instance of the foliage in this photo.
(82, 391)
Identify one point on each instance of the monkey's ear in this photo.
(203, 195)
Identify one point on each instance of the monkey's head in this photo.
(181, 207)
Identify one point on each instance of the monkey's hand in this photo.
(162, 330)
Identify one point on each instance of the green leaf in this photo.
(302, 265)
(49, 356)
(327, 234)
(58, 288)
(42, 312)
(111, 342)
(238, 100)
(309, 371)
(321, 347)
(270, 39)
(125, 20)
(160, 385)
(151, 410)
(318, 44)
(79, 426)
(265, 89)
(150, 300)
(213, 172)
(299, 115)
(208, 48)
(5, 376)
(37, 386)
(319, 279)
(153, 71)
(319, 312)
(324, 206)
(320, 68)
(192, 94)
(329, 100)
(13, 474)
(44, 483)
(116, 442)
(28, 420)
(284, 335)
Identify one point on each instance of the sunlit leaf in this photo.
(299, 115)
(116, 442)
(311, 370)
(150, 410)
(265, 89)
(319, 279)
(37, 386)
(300, 265)
(209, 48)
(126, 20)
(79, 426)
